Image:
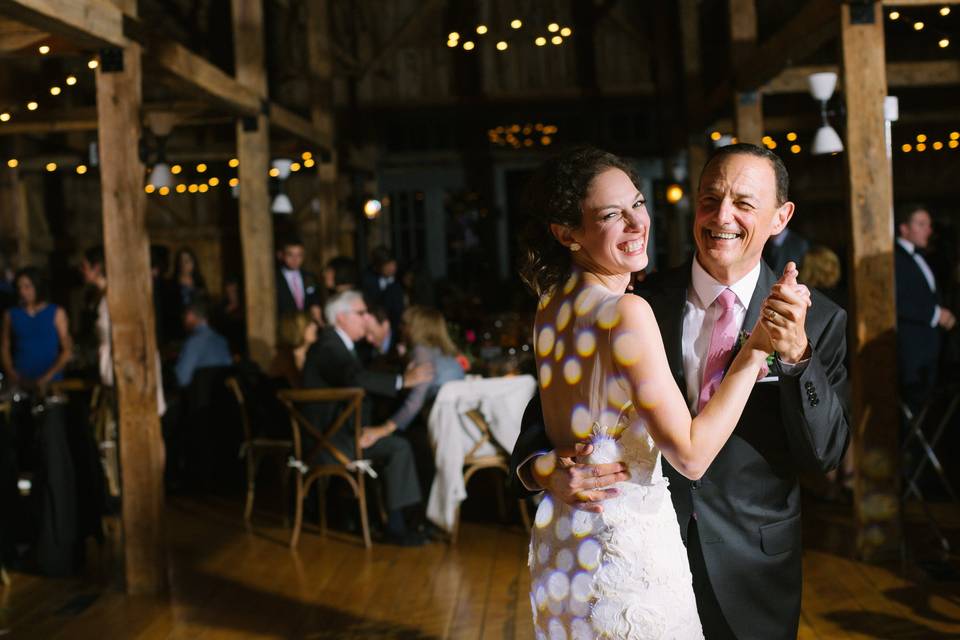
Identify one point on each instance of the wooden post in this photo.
(873, 378)
(320, 65)
(256, 223)
(747, 108)
(693, 91)
(130, 300)
(16, 223)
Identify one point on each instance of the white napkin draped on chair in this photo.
(452, 435)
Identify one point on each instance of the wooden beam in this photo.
(933, 73)
(96, 23)
(205, 79)
(873, 358)
(423, 12)
(807, 31)
(747, 104)
(256, 222)
(290, 122)
(130, 301)
(15, 36)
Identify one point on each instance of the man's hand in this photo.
(947, 320)
(784, 315)
(582, 486)
(370, 435)
(417, 374)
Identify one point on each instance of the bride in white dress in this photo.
(618, 570)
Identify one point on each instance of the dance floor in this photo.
(227, 583)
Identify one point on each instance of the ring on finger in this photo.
(771, 314)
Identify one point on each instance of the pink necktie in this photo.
(722, 341)
(297, 292)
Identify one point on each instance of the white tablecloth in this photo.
(453, 435)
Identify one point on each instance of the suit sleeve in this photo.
(814, 402)
(914, 302)
(328, 368)
(532, 439)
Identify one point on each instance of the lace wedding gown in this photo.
(622, 573)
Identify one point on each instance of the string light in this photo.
(894, 15)
(795, 148)
(955, 135)
(540, 41)
(214, 181)
(715, 135)
(553, 27)
(906, 148)
(792, 136)
(921, 137)
(203, 188)
(12, 163)
(54, 91)
(944, 11)
(149, 188)
(51, 166)
(556, 39)
(953, 144)
(163, 191)
(71, 80)
(515, 23)
(944, 43)
(918, 26)
(481, 29)
(468, 45)
(193, 188)
(502, 46)
(453, 35)
(308, 163)
(201, 168)
(234, 182)
(176, 169)
(93, 64)
(306, 155)
(274, 172)
(921, 146)
(234, 163)
(4, 117)
(295, 166)
(937, 145)
(566, 32)
(44, 49)
(181, 188)
(81, 169)
(452, 44)
(32, 106)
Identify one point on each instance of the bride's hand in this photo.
(582, 486)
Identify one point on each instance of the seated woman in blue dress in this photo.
(425, 333)
(36, 343)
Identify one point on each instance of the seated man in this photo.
(203, 347)
(332, 362)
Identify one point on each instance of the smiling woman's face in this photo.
(737, 212)
(615, 226)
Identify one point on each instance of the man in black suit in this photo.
(919, 314)
(332, 361)
(297, 290)
(786, 246)
(381, 287)
(741, 520)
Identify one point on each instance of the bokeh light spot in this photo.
(586, 343)
(572, 371)
(545, 341)
(563, 316)
(581, 523)
(558, 585)
(563, 528)
(559, 350)
(546, 375)
(565, 560)
(618, 394)
(586, 300)
(543, 553)
(581, 586)
(608, 316)
(544, 466)
(580, 422)
(580, 629)
(626, 349)
(571, 282)
(588, 555)
(545, 510)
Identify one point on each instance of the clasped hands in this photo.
(783, 317)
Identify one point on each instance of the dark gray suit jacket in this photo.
(747, 504)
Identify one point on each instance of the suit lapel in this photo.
(668, 297)
(766, 280)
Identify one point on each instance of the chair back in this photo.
(349, 401)
(234, 386)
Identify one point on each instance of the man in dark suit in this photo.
(297, 290)
(741, 520)
(332, 361)
(919, 314)
(786, 246)
(381, 287)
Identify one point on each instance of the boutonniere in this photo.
(767, 365)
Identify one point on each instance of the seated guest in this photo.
(297, 290)
(231, 316)
(332, 362)
(36, 342)
(380, 349)
(203, 347)
(426, 335)
(821, 270)
(295, 335)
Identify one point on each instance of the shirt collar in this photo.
(343, 336)
(906, 244)
(707, 288)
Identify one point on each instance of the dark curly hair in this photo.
(554, 195)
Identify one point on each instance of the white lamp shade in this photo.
(826, 141)
(281, 204)
(282, 165)
(161, 176)
(891, 108)
(822, 84)
(724, 141)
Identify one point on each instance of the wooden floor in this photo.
(226, 583)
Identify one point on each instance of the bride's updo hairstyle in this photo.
(555, 195)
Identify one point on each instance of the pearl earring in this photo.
(575, 246)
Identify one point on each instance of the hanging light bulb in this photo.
(281, 202)
(826, 140)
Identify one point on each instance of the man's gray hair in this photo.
(341, 303)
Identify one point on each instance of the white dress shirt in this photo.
(927, 274)
(699, 317)
(295, 282)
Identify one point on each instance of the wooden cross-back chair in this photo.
(472, 462)
(351, 399)
(255, 449)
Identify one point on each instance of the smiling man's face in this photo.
(737, 210)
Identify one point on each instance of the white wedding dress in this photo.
(622, 573)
